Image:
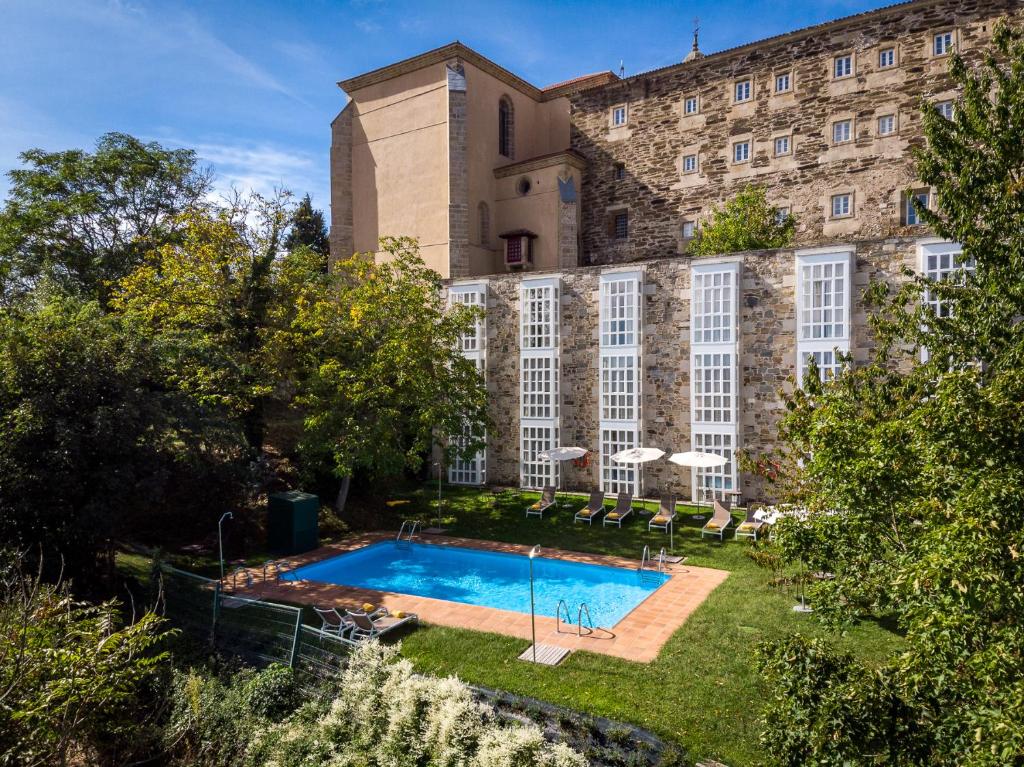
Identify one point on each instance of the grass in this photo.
(703, 690)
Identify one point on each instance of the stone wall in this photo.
(767, 357)
(342, 245)
(875, 169)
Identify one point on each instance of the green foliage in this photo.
(385, 715)
(308, 229)
(745, 222)
(74, 677)
(924, 465)
(379, 371)
(84, 220)
(91, 443)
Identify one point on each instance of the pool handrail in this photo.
(579, 620)
(558, 616)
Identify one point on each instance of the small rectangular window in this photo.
(781, 146)
(618, 116)
(945, 109)
(689, 230)
(910, 215)
(621, 225)
(886, 58)
(842, 131)
(842, 205)
(690, 163)
(743, 90)
(886, 125)
(842, 66)
(781, 214)
(741, 151)
(782, 83)
(690, 106)
(620, 171)
(942, 43)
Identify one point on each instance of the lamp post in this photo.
(220, 539)
(533, 617)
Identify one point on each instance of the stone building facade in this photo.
(565, 211)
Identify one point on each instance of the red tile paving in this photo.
(637, 637)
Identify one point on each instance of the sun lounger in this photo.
(750, 527)
(593, 509)
(719, 522)
(367, 626)
(333, 621)
(547, 500)
(623, 508)
(666, 514)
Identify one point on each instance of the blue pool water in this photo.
(486, 578)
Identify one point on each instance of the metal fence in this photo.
(255, 630)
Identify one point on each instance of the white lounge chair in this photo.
(623, 508)
(593, 509)
(333, 621)
(720, 521)
(547, 500)
(750, 527)
(666, 514)
(367, 626)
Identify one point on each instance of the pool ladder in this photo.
(581, 630)
(647, 562)
(407, 531)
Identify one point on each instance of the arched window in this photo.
(484, 216)
(506, 128)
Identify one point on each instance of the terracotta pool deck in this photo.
(637, 637)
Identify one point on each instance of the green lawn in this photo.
(702, 691)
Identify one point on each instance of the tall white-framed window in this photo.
(539, 390)
(471, 470)
(823, 309)
(620, 375)
(941, 261)
(714, 372)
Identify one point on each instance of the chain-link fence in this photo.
(255, 630)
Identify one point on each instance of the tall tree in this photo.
(745, 222)
(84, 220)
(914, 475)
(308, 228)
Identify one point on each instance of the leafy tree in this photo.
(208, 299)
(745, 222)
(84, 220)
(92, 441)
(73, 677)
(308, 228)
(921, 465)
(380, 375)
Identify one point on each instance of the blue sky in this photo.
(251, 85)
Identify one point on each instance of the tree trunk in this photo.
(339, 503)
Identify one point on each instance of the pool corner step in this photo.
(547, 655)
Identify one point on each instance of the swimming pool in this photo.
(487, 578)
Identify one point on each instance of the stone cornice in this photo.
(455, 50)
(566, 157)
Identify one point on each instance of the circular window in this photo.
(524, 185)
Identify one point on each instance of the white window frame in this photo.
(842, 131)
(891, 63)
(620, 375)
(937, 249)
(787, 79)
(539, 301)
(848, 213)
(942, 43)
(692, 225)
(842, 66)
(836, 308)
(714, 337)
(746, 151)
(689, 101)
(618, 109)
(690, 163)
(788, 150)
(743, 91)
(946, 108)
(473, 345)
(891, 124)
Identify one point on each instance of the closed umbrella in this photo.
(562, 454)
(638, 456)
(695, 459)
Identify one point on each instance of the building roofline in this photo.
(791, 36)
(562, 157)
(452, 50)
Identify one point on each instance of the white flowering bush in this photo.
(386, 716)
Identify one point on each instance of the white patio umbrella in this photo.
(562, 454)
(695, 459)
(638, 456)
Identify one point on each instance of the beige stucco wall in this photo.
(536, 211)
(400, 163)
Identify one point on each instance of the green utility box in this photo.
(292, 522)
